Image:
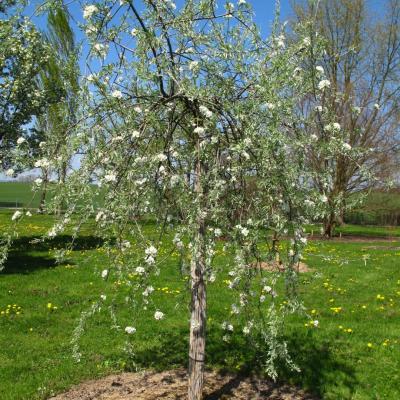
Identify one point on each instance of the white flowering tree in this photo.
(188, 120)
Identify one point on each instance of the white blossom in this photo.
(161, 157)
(205, 111)
(140, 270)
(100, 216)
(199, 130)
(104, 273)
(42, 163)
(21, 140)
(158, 315)
(101, 49)
(320, 69)
(110, 177)
(193, 65)
(117, 94)
(324, 84)
(178, 242)
(303, 240)
(148, 291)
(130, 330)
(10, 172)
(89, 11)
(267, 289)
(151, 251)
(346, 146)
(17, 215)
(135, 134)
(150, 260)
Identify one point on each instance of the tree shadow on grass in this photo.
(26, 254)
(320, 367)
(321, 370)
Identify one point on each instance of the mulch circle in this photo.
(173, 385)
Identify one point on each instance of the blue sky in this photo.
(264, 11)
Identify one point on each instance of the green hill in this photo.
(17, 194)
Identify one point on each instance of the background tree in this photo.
(59, 76)
(359, 73)
(22, 55)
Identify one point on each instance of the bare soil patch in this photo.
(170, 385)
(275, 266)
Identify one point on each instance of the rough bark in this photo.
(197, 330)
(197, 341)
(62, 174)
(329, 225)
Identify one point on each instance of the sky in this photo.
(264, 11)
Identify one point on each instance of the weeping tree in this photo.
(188, 107)
(360, 71)
(60, 76)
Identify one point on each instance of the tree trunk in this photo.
(340, 218)
(329, 225)
(197, 341)
(44, 192)
(62, 174)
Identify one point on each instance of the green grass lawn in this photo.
(353, 291)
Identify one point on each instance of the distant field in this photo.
(17, 194)
(380, 208)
